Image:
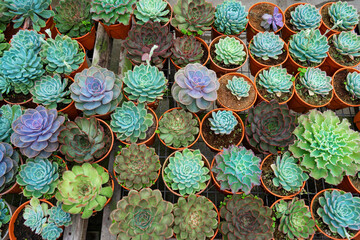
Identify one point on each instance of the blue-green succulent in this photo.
(347, 44)
(28, 39)
(50, 231)
(230, 51)
(305, 16)
(151, 10)
(352, 84)
(4, 213)
(186, 173)
(8, 114)
(238, 87)
(35, 215)
(5, 86)
(316, 81)
(266, 45)
(58, 216)
(343, 15)
(275, 80)
(230, 17)
(222, 122)
(9, 162)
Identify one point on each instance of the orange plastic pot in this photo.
(215, 33)
(209, 115)
(15, 187)
(87, 40)
(117, 31)
(182, 148)
(251, 31)
(348, 186)
(112, 140)
(70, 109)
(292, 66)
(83, 65)
(49, 24)
(168, 8)
(152, 105)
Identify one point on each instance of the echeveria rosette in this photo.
(195, 87)
(38, 177)
(151, 10)
(9, 164)
(222, 122)
(275, 80)
(36, 132)
(186, 49)
(326, 147)
(352, 85)
(8, 114)
(316, 82)
(35, 215)
(143, 214)
(4, 213)
(50, 231)
(58, 216)
(270, 126)
(340, 211)
(272, 22)
(305, 16)
(186, 173)
(96, 91)
(230, 17)
(347, 44)
(238, 87)
(343, 15)
(28, 39)
(266, 45)
(230, 51)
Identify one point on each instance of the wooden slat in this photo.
(77, 230)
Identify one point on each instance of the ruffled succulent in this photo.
(288, 173)
(9, 162)
(195, 218)
(51, 232)
(83, 140)
(8, 114)
(62, 55)
(270, 126)
(36, 132)
(223, 122)
(316, 81)
(29, 12)
(275, 80)
(305, 16)
(112, 12)
(38, 177)
(230, 51)
(347, 44)
(186, 173)
(28, 39)
(266, 45)
(4, 213)
(3, 44)
(96, 90)
(151, 10)
(195, 87)
(238, 87)
(130, 122)
(326, 146)
(186, 49)
(340, 211)
(35, 215)
(237, 169)
(142, 38)
(58, 216)
(246, 218)
(352, 85)
(143, 214)
(137, 167)
(51, 91)
(295, 219)
(230, 17)
(343, 15)
(178, 128)
(309, 46)
(196, 19)
(83, 189)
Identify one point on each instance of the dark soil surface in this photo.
(23, 232)
(271, 61)
(340, 90)
(3, 229)
(341, 59)
(256, 13)
(316, 100)
(221, 64)
(288, 18)
(17, 97)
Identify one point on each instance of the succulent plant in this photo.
(62, 55)
(195, 87)
(143, 214)
(295, 219)
(305, 16)
(96, 90)
(36, 132)
(186, 49)
(272, 22)
(130, 122)
(83, 140)
(340, 211)
(3, 44)
(196, 19)
(51, 232)
(28, 39)
(112, 12)
(343, 15)
(83, 189)
(4, 213)
(246, 218)
(275, 80)
(9, 162)
(35, 215)
(151, 10)
(309, 46)
(237, 169)
(5, 86)
(266, 45)
(352, 85)
(223, 122)
(326, 146)
(50, 91)
(347, 44)
(288, 173)
(178, 128)
(186, 172)
(230, 17)
(4, 18)
(8, 114)
(238, 87)
(316, 81)
(194, 218)
(270, 126)
(73, 17)
(230, 51)
(58, 216)
(38, 177)
(26, 13)
(137, 167)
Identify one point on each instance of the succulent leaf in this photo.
(151, 10)
(223, 122)
(347, 44)
(305, 16)
(275, 80)
(352, 84)
(50, 231)
(230, 51)
(343, 15)
(35, 215)
(112, 12)
(230, 17)
(316, 81)
(8, 114)
(9, 162)
(4, 213)
(58, 216)
(186, 49)
(238, 87)
(267, 45)
(28, 39)
(3, 44)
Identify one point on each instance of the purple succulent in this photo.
(36, 132)
(272, 21)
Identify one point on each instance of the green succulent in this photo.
(4, 18)
(58, 216)
(5, 86)
(4, 213)
(51, 232)
(28, 39)
(305, 16)
(8, 114)
(151, 10)
(35, 215)
(326, 146)
(186, 172)
(266, 45)
(230, 17)
(185, 50)
(230, 51)
(195, 218)
(4, 46)
(347, 44)
(316, 81)
(353, 84)
(343, 15)
(223, 122)
(275, 80)
(238, 87)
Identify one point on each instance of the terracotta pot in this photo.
(251, 31)
(221, 70)
(209, 115)
(70, 109)
(168, 8)
(348, 186)
(205, 46)
(215, 33)
(174, 192)
(87, 40)
(112, 140)
(82, 66)
(152, 105)
(182, 148)
(256, 66)
(49, 24)
(357, 120)
(356, 237)
(27, 104)
(112, 187)
(15, 187)
(117, 31)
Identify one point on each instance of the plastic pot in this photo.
(168, 8)
(82, 66)
(87, 40)
(348, 186)
(292, 66)
(15, 188)
(102, 122)
(117, 31)
(27, 104)
(49, 24)
(70, 109)
(215, 33)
